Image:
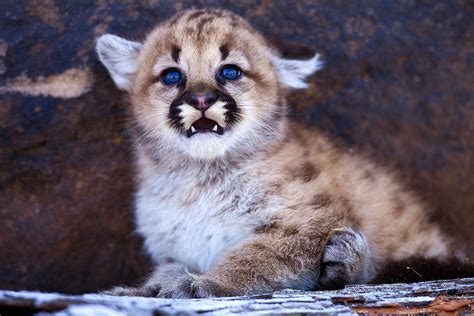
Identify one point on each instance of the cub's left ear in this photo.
(293, 72)
(120, 57)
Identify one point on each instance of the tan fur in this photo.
(284, 192)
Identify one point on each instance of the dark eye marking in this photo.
(175, 51)
(171, 76)
(230, 73)
(224, 51)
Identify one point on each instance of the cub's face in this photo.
(204, 84)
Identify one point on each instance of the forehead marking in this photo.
(196, 14)
(202, 22)
(176, 17)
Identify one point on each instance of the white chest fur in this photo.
(193, 222)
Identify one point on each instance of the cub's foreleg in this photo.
(314, 254)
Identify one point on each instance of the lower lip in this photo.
(190, 134)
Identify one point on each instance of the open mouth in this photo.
(204, 125)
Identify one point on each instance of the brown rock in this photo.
(397, 84)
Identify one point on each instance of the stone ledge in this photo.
(446, 296)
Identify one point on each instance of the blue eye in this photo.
(230, 72)
(171, 76)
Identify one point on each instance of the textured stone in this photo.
(455, 297)
(397, 86)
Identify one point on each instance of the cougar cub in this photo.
(232, 197)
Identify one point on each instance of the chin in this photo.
(206, 146)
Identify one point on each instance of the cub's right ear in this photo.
(120, 57)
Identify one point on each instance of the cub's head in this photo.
(205, 84)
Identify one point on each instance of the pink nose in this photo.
(201, 101)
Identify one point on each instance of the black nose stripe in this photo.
(174, 114)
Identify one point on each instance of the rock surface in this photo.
(397, 85)
(449, 297)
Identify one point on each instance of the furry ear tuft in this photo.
(119, 56)
(293, 72)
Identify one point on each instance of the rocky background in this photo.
(398, 85)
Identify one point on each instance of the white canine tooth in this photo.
(215, 128)
(193, 130)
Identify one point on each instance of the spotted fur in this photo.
(269, 204)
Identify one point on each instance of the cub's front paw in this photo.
(163, 277)
(193, 286)
(346, 260)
